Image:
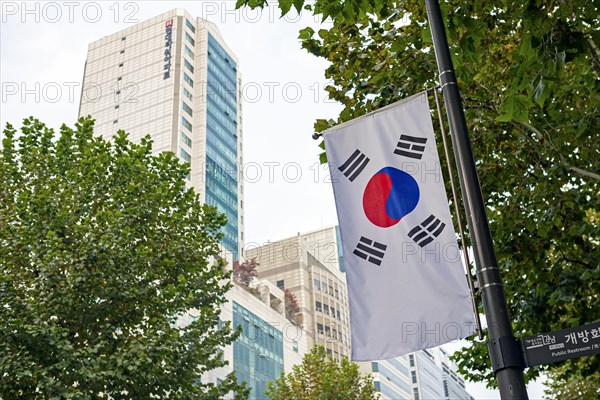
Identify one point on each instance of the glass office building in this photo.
(173, 77)
(257, 353)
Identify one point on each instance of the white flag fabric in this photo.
(406, 283)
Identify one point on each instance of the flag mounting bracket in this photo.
(505, 352)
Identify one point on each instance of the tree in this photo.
(245, 272)
(319, 377)
(292, 308)
(102, 251)
(529, 73)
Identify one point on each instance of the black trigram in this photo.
(354, 165)
(428, 230)
(370, 250)
(410, 146)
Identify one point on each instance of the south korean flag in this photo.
(406, 282)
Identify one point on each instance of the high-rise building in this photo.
(308, 265)
(173, 77)
(454, 384)
(390, 377)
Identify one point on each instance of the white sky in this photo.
(43, 47)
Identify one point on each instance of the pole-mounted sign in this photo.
(561, 345)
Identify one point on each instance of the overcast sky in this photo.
(43, 47)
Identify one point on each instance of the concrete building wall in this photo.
(321, 291)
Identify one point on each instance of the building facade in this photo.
(308, 266)
(311, 265)
(173, 77)
(390, 377)
(269, 343)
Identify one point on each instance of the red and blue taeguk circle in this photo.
(389, 196)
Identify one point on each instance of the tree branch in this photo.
(583, 172)
(568, 167)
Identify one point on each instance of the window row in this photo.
(190, 26)
(187, 109)
(222, 128)
(217, 75)
(230, 126)
(222, 147)
(188, 65)
(185, 155)
(186, 139)
(186, 124)
(326, 309)
(188, 52)
(187, 94)
(221, 175)
(188, 80)
(324, 329)
(190, 39)
(217, 100)
(326, 288)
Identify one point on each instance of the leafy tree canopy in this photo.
(319, 377)
(529, 73)
(102, 250)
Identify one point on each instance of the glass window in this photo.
(187, 108)
(184, 154)
(187, 94)
(188, 79)
(295, 346)
(326, 309)
(413, 374)
(187, 51)
(190, 39)
(186, 124)
(188, 65)
(411, 359)
(120, 65)
(190, 25)
(280, 284)
(318, 306)
(375, 367)
(122, 51)
(185, 139)
(317, 284)
(320, 328)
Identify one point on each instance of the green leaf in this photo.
(284, 6)
(323, 158)
(515, 108)
(306, 33)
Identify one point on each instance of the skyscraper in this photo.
(173, 77)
